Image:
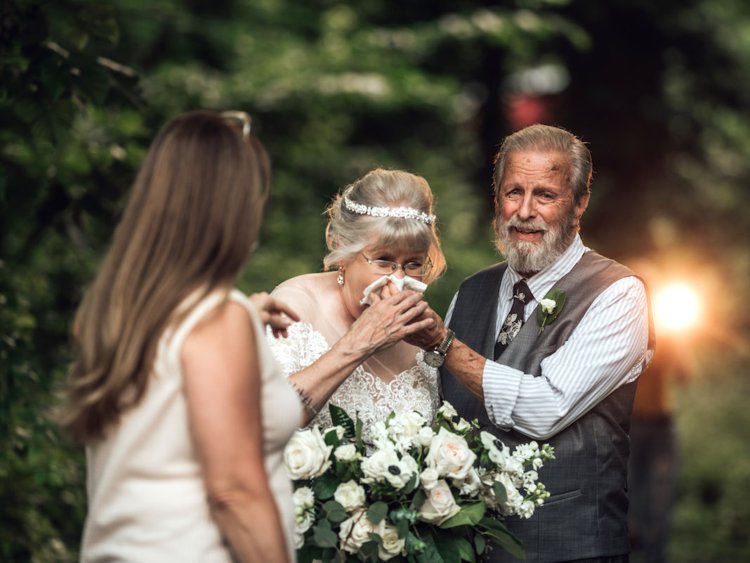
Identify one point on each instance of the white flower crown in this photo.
(402, 212)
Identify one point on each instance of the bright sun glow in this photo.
(676, 307)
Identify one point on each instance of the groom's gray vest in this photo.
(586, 513)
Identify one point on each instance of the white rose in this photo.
(548, 306)
(304, 522)
(347, 452)
(470, 485)
(439, 505)
(450, 455)
(306, 454)
(391, 545)
(303, 498)
(424, 438)
(429, 478)
(462, 425)
(406, 425)
(350, 495)
(447, 410)
(355, 531)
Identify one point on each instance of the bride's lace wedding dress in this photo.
(373, 390)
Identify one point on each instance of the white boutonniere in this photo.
(549, 308)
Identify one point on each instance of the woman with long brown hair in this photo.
(181, 406)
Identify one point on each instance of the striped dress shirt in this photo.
(607, 349)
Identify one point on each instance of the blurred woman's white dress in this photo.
(147, 499)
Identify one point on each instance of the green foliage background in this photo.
(335, 89)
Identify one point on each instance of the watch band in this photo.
(446, 343)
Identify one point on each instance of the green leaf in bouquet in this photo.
(480, 544)
(331, 554)
(418, 499)
(500, 493)
(431, 554)
(335, 512)
(331, 438)
(377, 512)
(469, 515)
(455, 548)
(370, 549)
(341, 418)
(411, 484)
(402, 528)
(414, 545)
(502, 537)
(324, 486)
(309, 553)
(323, 535)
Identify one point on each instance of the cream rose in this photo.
(439, 505)
(392, 545)
(450, 455)
(306, 454)
(355, 531)
(350, 495)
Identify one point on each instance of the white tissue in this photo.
(400, 283)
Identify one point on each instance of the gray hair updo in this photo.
(349, 232)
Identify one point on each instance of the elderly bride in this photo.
(348, 347)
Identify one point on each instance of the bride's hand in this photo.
(388, 320)
(274, 313)
(431, 336)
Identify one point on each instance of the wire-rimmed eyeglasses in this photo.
(414, 268)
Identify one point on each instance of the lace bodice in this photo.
(362, 393)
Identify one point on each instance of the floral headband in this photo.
(402, 212)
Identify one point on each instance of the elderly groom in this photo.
(561, 370)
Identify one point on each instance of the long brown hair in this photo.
(190, 225)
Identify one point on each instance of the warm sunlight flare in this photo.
(676, 307)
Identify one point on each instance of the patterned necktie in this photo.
(514, 320)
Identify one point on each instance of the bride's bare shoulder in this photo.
(307, 294)
(308, 283)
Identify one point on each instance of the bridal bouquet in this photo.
(420, 492)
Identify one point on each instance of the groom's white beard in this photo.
(529, 257)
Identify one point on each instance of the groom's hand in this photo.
(430, 337)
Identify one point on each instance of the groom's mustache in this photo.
(528, 225)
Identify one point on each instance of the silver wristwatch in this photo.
(436, 357)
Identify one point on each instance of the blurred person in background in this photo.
(549, 345)
(173, 390)
(348, 347)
